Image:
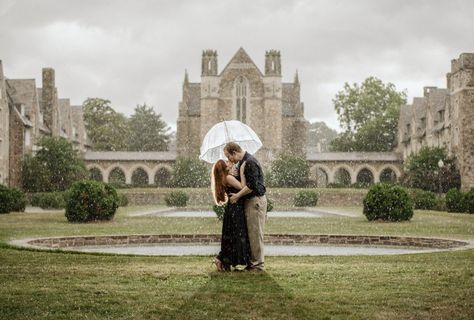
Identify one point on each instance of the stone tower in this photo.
(272, 105)
(242, 92)
(4, 129)
(460, 83)
(210, 114)
(50, 106)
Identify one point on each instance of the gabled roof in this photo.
(241, 56)
(23, 91)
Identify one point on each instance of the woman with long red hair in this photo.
(235, 247)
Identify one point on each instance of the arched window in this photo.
(241, 99)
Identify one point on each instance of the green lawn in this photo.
(53, 285)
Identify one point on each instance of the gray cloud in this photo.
(136, 51)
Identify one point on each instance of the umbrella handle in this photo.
(227, 139)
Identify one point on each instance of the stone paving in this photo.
(270, 250)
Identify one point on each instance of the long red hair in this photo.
(219, 182)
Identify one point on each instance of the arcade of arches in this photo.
(155, 168)
(137, 168)
(346, 168)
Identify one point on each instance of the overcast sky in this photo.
(134, 52)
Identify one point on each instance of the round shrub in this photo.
(455, 201)
(388, 202)
(469, 201)
(424, 200)
(176, 199)
(270, 205)
(306, 198)
(11, 200)
(91, 201)
(49, 200)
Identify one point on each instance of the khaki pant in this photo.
(255, 214)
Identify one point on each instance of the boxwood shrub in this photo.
(306, 198)
(425, 200)
(388, 203)
(91, 201)
(177, 199)
(11, 200)
(455, 201)
(49, 200)
(469, 201)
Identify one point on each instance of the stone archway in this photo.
(139, 177)
(365, 177)
(388, 175)
(342, 176)
(117, 176)
(163, 176)
(95, 174)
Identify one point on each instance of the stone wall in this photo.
(4, 129)
(280, 197)
(270, 239)
(17, 138)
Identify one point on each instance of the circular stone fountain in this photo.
(275, 244)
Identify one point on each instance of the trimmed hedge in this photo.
(306, 198)
(49, 200)
(177, 199)
(455, 201)
(91, 201)
(388, 203)
(11, 200)
(469, 201)
(424, 200)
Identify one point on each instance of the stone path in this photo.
(270, 250)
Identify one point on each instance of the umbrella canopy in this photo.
(212, 148)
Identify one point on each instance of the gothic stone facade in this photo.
(26, 114)
(445, 118)
(242, 92)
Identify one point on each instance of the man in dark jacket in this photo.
(255, 202)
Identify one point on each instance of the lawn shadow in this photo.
(239, 295)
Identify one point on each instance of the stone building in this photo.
(444, 118)
(28, 113)
(242, 92)
(4, 129)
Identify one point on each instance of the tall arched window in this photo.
(241, 99)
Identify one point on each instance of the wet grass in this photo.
(53, 285)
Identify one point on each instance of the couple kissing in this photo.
(238, 184)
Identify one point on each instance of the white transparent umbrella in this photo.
(212, 148)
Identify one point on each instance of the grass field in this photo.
(54, 285)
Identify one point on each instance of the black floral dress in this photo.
(235, 246)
